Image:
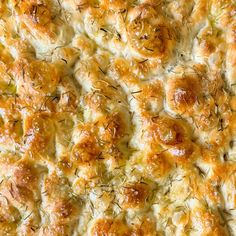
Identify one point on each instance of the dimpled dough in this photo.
(117, 117)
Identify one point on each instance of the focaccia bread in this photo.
(117, 117)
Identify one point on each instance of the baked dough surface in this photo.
(117, 117)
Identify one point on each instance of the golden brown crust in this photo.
(117, 117)
(135, 195)
(148, 33)
(183, 93)
(110, 227)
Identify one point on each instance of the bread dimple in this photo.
(117, 117)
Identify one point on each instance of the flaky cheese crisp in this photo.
(117, 117)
